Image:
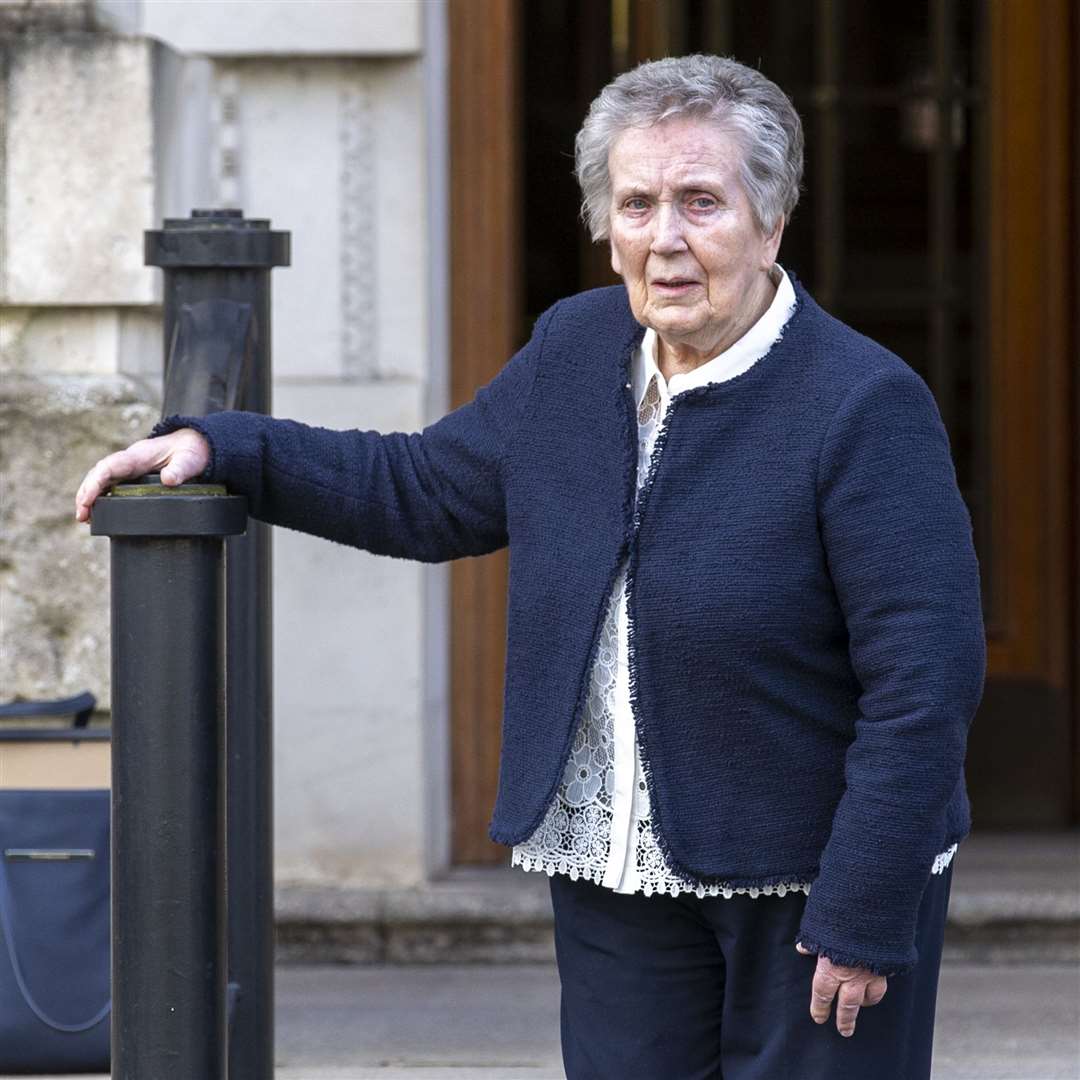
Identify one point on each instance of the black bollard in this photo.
(169, 968)
(217, 339)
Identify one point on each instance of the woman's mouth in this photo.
(674, 286)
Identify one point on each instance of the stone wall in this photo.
(53, 575)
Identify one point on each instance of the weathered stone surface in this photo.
(54, 614)
(20, 16)
(78, 143)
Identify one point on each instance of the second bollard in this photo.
(169, 968)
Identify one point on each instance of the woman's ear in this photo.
(772, 243)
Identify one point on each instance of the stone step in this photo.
(1014, 896)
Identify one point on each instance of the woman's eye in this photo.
(636, 203)
(702, 202)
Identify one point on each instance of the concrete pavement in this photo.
(996, 1021)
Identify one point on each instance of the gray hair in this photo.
(752, 108)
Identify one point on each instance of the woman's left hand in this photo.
(853, 987)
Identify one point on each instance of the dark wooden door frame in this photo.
(485, 312)
(1074, 353)
(1022, 761)
(1029, 280)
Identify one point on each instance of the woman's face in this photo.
(683, 235)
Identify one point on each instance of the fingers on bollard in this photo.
(176, 454)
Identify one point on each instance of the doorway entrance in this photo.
(937, 218)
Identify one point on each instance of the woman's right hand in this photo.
(178, 456)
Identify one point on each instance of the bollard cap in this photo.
(216, 238)
(145, 507)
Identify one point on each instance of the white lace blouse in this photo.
(599, 825)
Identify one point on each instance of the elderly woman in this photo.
(745, 639)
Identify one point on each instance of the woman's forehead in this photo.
(673, 151)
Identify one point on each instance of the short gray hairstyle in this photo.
(751, 107)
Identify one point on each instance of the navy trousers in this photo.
(677, 988)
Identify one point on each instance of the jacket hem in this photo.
(510, 838)
(532, 863)
(767, 881)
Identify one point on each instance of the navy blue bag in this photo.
(54, 918)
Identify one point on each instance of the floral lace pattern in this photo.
(941, 862)
(575, 835)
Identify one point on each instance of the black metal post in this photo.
(217, 338)
(168, 777)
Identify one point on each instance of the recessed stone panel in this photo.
(333, 151)
(348, 680)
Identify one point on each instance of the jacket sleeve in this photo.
(897, 537)
(431, 495)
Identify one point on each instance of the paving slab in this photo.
(504, 1017)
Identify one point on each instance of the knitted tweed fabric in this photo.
(806, 638)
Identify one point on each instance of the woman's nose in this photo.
(668, 236)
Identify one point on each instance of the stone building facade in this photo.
(327, 118)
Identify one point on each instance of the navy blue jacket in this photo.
(806, 639)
